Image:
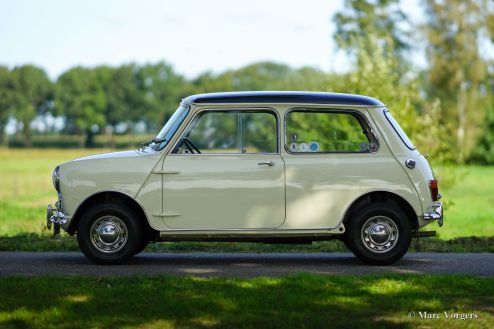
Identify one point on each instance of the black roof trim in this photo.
(283, 97)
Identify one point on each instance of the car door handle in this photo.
(266, 163)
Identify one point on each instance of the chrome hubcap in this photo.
(379, 234)
(108, 234)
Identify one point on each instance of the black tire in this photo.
(114, 223)
(148, 235)
(144, 244)
(383, 220)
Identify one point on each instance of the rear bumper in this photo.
(435, 212)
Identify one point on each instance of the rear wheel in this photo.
(379, 234)
(109, 233)
(144, 243)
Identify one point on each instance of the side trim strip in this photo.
(165, 214)
(340, 229)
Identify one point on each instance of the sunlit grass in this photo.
(301, 301)
(468, 195)
(26, 186)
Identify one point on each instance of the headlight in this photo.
(56, 178)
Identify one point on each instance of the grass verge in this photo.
(300, 301)
(35, 242)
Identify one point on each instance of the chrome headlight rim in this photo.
(56, 178)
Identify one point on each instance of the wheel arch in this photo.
(112, 197)
(382, 196)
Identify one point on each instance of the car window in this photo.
(326, 131)
(232, 132)
(259, 133)
(171, 126)
(216, 132)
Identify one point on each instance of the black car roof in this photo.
(283, 97)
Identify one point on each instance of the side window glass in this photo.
(216, 132)
(325, 131)
(259, 133)
(232, 132)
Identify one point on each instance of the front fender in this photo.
(81, 179)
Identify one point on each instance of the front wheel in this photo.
(109, 233)
(379, 234)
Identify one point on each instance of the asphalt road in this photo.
(241, 264)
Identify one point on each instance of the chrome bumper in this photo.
(55, 217)
(435, 213)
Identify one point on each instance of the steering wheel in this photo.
(190, 146)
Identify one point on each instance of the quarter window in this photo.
(397, 128)
(327, 131)
(233, 132)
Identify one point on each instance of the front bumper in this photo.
(435, 212)
(56, 218)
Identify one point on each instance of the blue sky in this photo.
(193, 36)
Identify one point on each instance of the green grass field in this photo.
(26, 189)
(469, 199)
(300, 301)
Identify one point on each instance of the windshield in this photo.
(170, 128)
(399, 130)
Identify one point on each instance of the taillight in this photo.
(434, 189)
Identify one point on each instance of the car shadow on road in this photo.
(259, 264)
(216, 264)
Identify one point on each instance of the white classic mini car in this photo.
(272, 167)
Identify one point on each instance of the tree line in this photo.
(97, 100)
(447, 107)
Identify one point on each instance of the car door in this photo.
(226, 173)
(331, 159)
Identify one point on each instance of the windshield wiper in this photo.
(154, 140)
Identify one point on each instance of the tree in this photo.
(4, 100)
(381, 19)
(30, 90)
(259, 76)
(456, 69)
(82, 99)
(375, 74)
(125, 100)
(483, 151)
(488, 8)
(262, 76)
(161, 89)
(369, 31)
